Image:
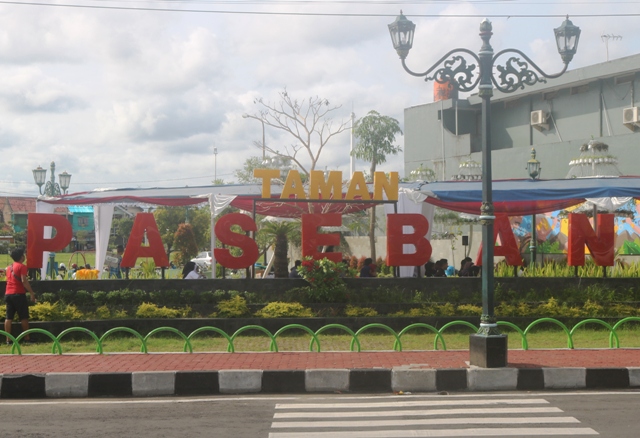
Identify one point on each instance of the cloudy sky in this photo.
(138, 93)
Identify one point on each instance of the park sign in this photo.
(331, 187)
(406, 241)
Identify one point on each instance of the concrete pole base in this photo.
(488, 351)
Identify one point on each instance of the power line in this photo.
(311, 14)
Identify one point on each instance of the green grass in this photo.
(370, 341)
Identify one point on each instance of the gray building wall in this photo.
(583, 104)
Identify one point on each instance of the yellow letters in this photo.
(318, 186)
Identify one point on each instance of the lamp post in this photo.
(51, 187)
(534, 169)
(264, 144)
(215, 165)
(487, 348)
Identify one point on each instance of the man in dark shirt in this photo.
(293, 273)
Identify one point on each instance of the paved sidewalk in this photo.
(135, 362)
(157, 374)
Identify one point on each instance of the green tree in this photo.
(122, 227)
(245, 175)
(278, 233)
(169, 220)
(185, 242)
(375, 135)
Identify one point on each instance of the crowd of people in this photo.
(441, 268)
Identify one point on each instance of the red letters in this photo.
(144, 222)
(396, 239)
(508, 246)
(581, 233)
(311, 239)
(37, 244)
(245, 243)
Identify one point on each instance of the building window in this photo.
(83, 221)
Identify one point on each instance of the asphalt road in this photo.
(588, 413)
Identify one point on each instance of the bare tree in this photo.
(308, 121)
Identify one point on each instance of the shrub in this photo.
(278, 309)
(48, 297)
(100, 298)
(325, 280)
(44, 311)
(119, 314)
(235, 307)
(103, 312)
(83, 298)
(469, 309)
(360, 312)
(207, 297)
(189, 296)
(149, 310)
(66, 296)
(71, 313)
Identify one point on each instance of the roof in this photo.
(24, 205)
(80, 209)
(514, 197)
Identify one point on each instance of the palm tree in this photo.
(278, 233)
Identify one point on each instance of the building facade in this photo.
(597, 102)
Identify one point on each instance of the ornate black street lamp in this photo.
(534, 169)
(488, 348)
(51, 188)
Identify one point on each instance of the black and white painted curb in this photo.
(374, 380)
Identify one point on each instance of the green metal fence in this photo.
(314, 344)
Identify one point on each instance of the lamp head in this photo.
(533, 166)
(402, 31)
(567, 36)
(65, 180)
(39, 175)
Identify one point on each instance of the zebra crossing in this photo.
(428, 417)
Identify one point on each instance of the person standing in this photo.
(293, 273)
(16, 293)
(366, 270)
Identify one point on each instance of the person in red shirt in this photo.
(16, 293)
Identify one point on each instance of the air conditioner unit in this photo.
(539, 120)
(630, 117)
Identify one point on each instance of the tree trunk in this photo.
(372, 221)
(372, 233)
(280, 264)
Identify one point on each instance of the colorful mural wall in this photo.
(552, 229)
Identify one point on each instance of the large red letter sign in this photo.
(600, 245)
(508, 246)
(311, 239)
(245, 243)
(37, 244)
(396, 239)
(144, 222)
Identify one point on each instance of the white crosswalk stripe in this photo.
(424, 418)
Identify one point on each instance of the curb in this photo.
(372, 380)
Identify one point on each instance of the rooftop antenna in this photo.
(606, 38)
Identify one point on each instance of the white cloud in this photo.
(135, 98)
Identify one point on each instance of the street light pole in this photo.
(51, 188)
(215, 165)
(487, 348)
(534, 169)
(264, 143)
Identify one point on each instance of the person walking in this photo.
(16, 293)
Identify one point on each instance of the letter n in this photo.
(600, 245)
